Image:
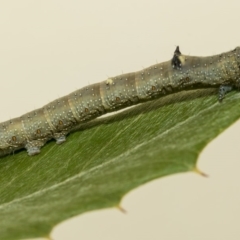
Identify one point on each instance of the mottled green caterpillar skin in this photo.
(56, 119)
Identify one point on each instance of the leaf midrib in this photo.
(126, 153)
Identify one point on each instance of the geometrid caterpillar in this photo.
(55, 120)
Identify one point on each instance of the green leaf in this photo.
(107, 158)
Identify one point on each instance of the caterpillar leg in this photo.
(223, 89)
(60, 140)
(60, 137)
(33, 147)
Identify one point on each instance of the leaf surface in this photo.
(107, 158)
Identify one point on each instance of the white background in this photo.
(51, 48)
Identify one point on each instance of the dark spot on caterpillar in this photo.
(153, 88)
(14, 138)
(117, 99)
(183, 81)
(176, 62)
(60, 122)
(39, 131)
(86, 110)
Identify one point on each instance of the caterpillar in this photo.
(56, 119)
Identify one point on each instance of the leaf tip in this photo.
(49, 238)
(196, 170)
(121, 209)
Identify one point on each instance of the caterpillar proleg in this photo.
(56, 119)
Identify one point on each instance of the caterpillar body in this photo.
(56, 119)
